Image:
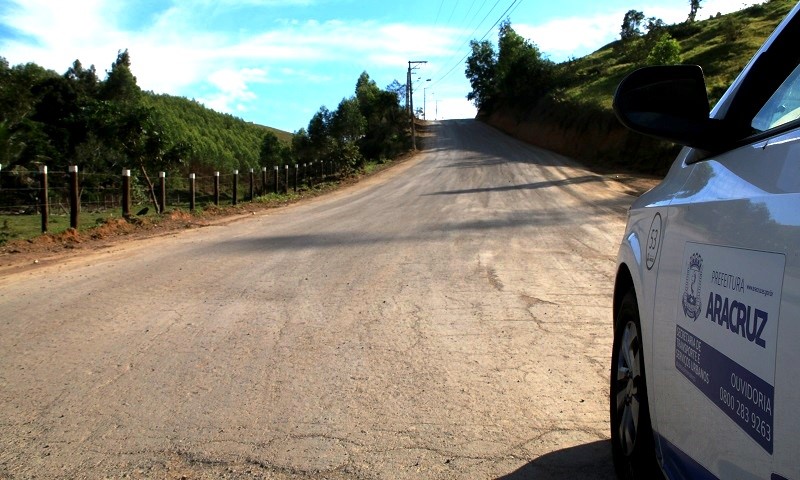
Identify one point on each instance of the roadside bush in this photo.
(5, 232)
(348, 155)
(632, 50)
(666, 51)
(683, 30)
(731, 28)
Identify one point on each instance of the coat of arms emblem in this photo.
(691, 292)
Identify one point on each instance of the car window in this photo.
(782, 107)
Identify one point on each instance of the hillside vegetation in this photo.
(217, 141)
(566, 107)
(106, 125)
(722, 45)
(103, 125)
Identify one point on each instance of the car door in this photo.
(727, 307)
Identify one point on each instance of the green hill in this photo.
(722, 45)
(575, 118)
(102, 125)
(217, 141)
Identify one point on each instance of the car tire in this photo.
(632, 442)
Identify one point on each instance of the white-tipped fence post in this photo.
(191, 192)
(74, 201)
(162, 200)
(235, 187)
(43, 202)
(126, 193)
(216, 188)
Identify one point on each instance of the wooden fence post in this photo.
(296, 169)
(126, 193)
(286, 188)
(74, 200)
(263, 180)
(235, 187)
(276, 180)
(216, 188)
(43, 203)
(162, 193)
(191, 192)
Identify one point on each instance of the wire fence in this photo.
(86, 197)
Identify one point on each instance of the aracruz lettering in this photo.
(737, 317)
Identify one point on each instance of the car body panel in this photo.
(708, 219)
(713, 257)
(736, 206)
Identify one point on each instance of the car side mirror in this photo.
(670, 103)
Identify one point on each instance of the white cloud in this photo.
(240, 3)
(176, 52)
(233, 89)
(576, 36)
(303, 75)
(445, 108)
(234, 82)
(59, 30)
(564, 37)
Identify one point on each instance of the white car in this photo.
(705, 373)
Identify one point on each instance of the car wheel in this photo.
(631, 431)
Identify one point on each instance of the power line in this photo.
(435, 22)
(487, 16)
(468, 11)
(466, 42)
(508, 11)
(455, 7)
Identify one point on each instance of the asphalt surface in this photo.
(449, 318)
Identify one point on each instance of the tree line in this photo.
(518, 73)
(104, 125)
(370, 125)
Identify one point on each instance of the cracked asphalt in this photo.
(448, 318)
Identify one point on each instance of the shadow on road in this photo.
(481, 144)
(591, 461)
(437, 230)
(528, 186)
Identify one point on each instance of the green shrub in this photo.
(666, 51)
(731, 28)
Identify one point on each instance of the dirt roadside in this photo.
(22, 255)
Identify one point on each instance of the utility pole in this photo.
(410, 100)
(408, 89)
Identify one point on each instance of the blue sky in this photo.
(275, 62)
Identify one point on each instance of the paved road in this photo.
(449, 318)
